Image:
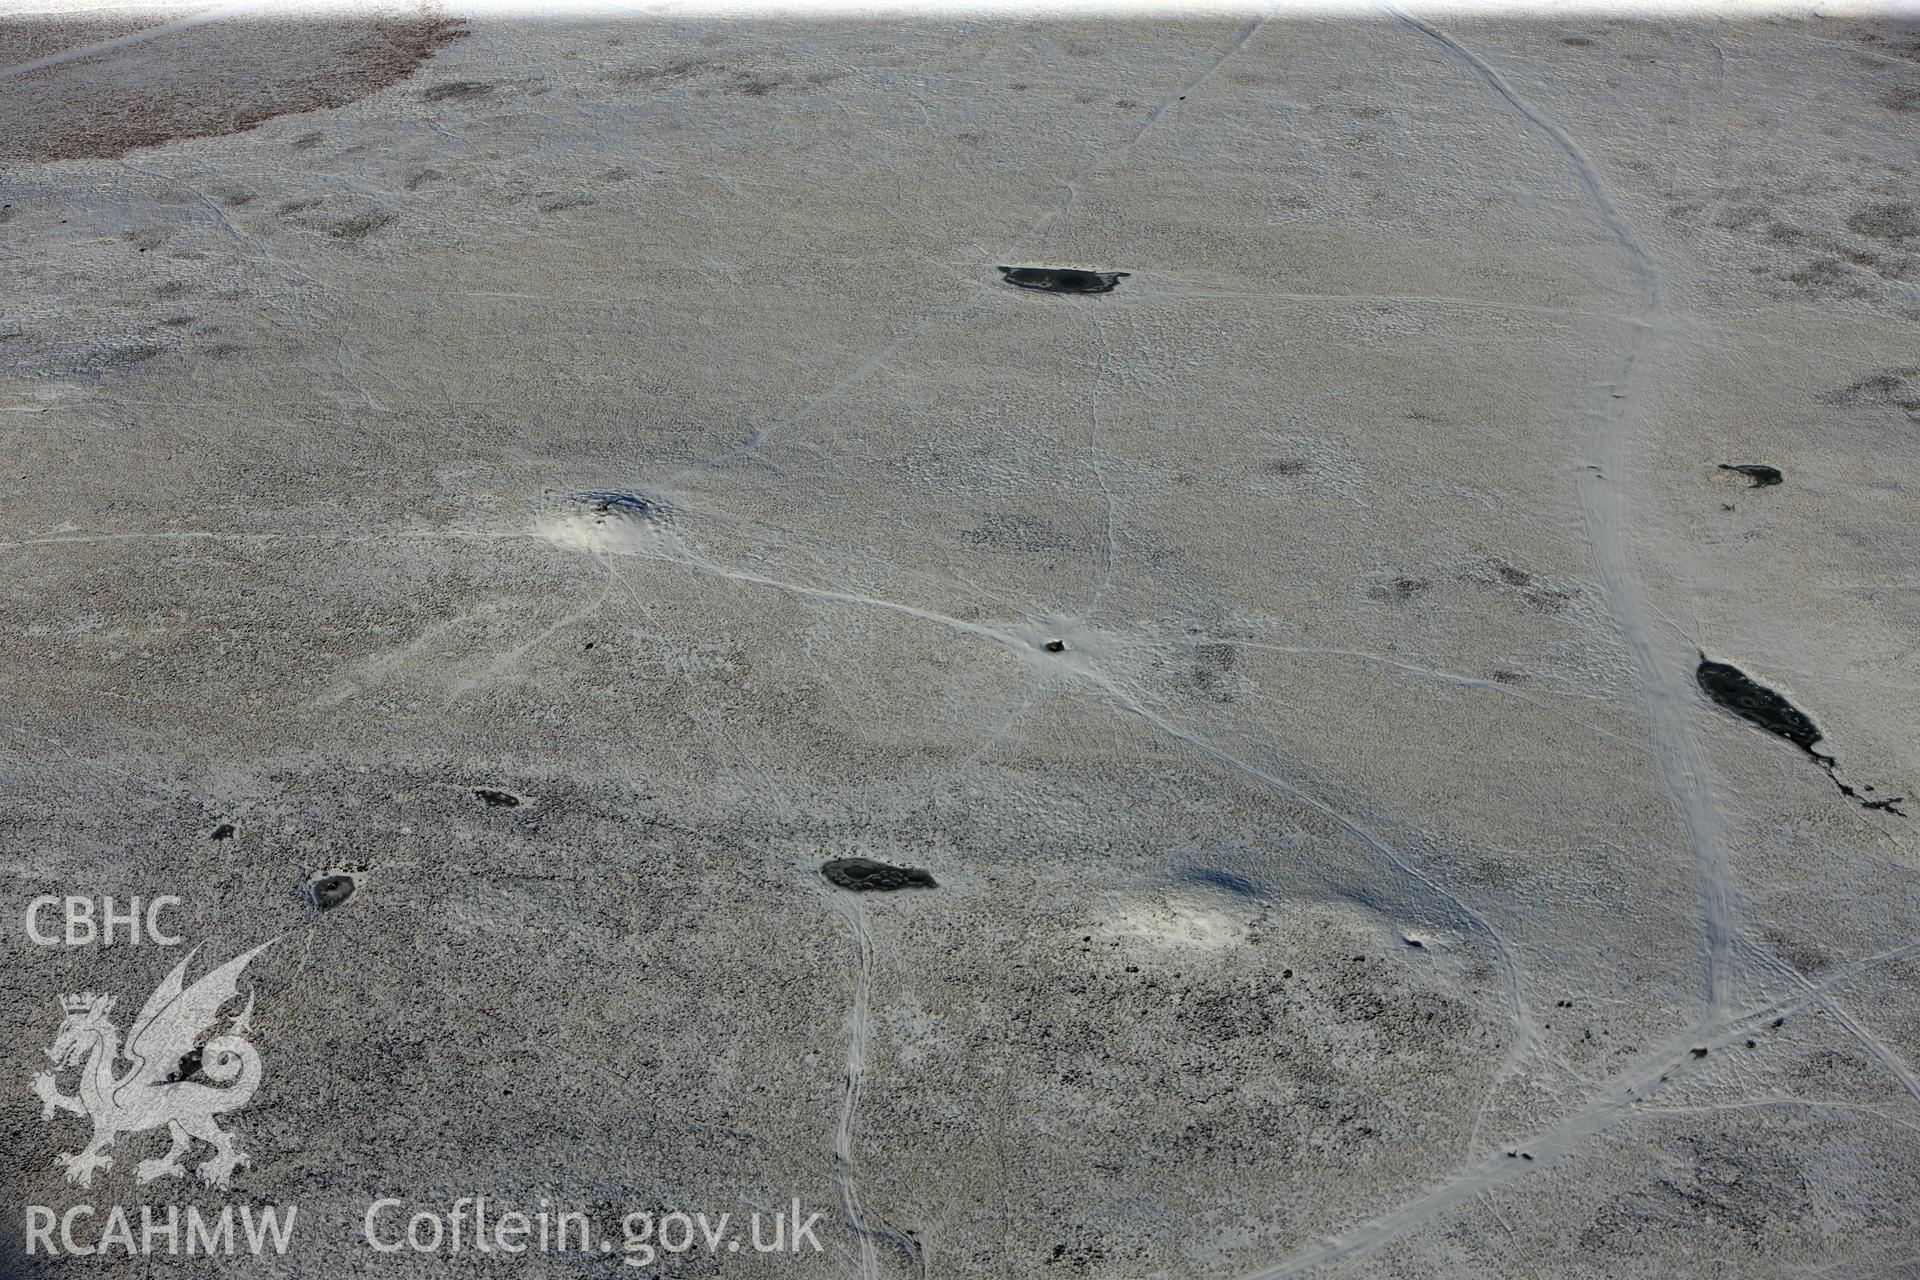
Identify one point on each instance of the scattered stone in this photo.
(864, 874)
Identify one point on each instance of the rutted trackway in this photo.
(98, 48)
(1603, 506)
(859, 1026)
(859, 1033)
(1671, 1062)
(1665, 686)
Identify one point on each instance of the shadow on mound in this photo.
(1222, 881)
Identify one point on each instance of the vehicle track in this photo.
(859, 1035)
(859, 1027)
(1624, 1092)
(1603, 508)
(100, 47)
(1665, 682)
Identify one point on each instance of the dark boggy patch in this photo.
(1734, 689)
(864, 875)
(1063, 279)
(1759, 473)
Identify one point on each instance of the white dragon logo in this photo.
(166, 1047)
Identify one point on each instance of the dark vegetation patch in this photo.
(358, 226)
(1826, 277)
(1212, 670)
(757, 86)
(351, 220)
(1712, 1180)
(1400, 590)
(219, 78)
(676, 70)
(1063, 279)
(1013, 532)
(1799, 950)
(742, 81)
(131, 354)
(864, 875)
(1898, 44)
(1894, 221)
(458, 91)
(1892, 388)
(1538, 594)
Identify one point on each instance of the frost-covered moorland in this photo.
(1397, 671)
